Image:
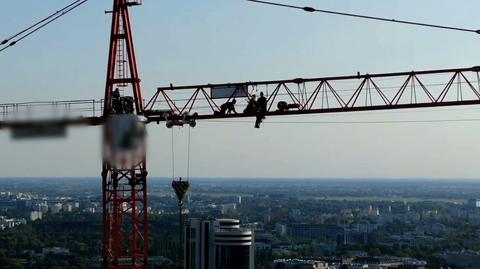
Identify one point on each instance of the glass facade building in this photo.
(218, 244)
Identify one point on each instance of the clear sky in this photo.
(184, 42)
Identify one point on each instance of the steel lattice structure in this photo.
(452, 87)
(385, 91)
(125, 216)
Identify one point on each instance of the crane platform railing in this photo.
(51, 109)
(57, 113)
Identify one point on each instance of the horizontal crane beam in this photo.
(161, 117)
(368, 92)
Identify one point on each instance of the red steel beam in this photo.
(124, 185)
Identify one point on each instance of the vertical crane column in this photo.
(124, 170)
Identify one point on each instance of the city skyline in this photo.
(326, 224)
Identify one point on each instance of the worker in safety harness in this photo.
(252, 105)
(227, 108)
(261, 109)
(117, 102)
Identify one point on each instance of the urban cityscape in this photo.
(248, 223)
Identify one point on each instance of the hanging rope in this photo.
(188, 154)
(478, 80)
(173, 157)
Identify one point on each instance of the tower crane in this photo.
(125, 113)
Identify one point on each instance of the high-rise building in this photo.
(281, 229)
(218, 244)
(198, 244)
(474, 203)
(35, 215)
(56, 208)
(43, 207)
(234, 246)
(67, 208)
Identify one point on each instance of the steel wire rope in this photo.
(6, 40)
(41, 25)
(188, 152)
(351, 122)
(173, 156)
(359, 16)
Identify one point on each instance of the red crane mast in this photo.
(124, 184)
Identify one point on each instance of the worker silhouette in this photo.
(116, 93)
(117, 102)
(261, 109)
(252, 105)
(227, 108)
(262, 103)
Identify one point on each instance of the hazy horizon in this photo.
(265, 179)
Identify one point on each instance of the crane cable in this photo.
(173, 156)
(352, 122)
(8, 42)
(311, 9)
(188, 153)
(30, 27)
